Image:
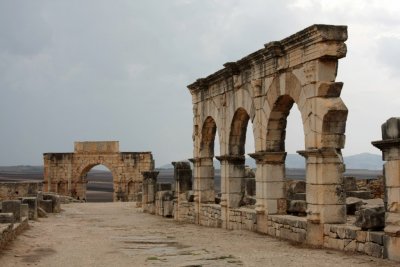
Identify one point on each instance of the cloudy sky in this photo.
(118, 70)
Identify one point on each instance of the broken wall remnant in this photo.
(65, 173)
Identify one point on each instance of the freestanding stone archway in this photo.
(65, 173)
(263, 87)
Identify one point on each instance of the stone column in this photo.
(203, 183)
(149, 190)
(233, 174)
(270, 182)
(325, 195)
(182, 177)
(183, 183)
(390, 147)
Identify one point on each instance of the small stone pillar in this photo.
(233, 173)
(390, 147)
(149, 190)
(12, 206)
(270, 182)
(182, 177)
(33, 205)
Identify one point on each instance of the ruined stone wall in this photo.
(16, 190)
(65, 173)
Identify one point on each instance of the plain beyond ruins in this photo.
(326, 210)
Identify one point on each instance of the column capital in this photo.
(200, 159)
(269, 157)
(233, 159)
(320, 152)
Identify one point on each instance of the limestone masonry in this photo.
(65, 173)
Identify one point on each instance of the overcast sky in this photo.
(117, 70)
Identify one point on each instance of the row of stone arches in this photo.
(262, 88)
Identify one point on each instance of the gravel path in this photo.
(118, 234)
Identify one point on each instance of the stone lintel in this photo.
(232, 159)
(269, 157)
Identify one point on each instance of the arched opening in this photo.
(287, 183)
(209, 171)
(240, 180)
(99, 187)
(295, 164)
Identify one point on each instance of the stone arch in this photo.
(299, 69)
(237, 135)
(208, 131)
(70, 168)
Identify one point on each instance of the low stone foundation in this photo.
(352, 238)
(9, 231)
(287, 227)
(243, 219)
(210, 215)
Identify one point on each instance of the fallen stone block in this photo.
(359, 194)
(46, 205)
(297, 207)
(41, 213)
(353, 204)
(7, 217)
(295, 187)
(371, 218)
(32, 204)
(12, 206)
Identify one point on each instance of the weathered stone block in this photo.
(32, 204)
(7, 217)
(55, 201)
(46, 205)
(373, 249)
(359, 194)
(375, 237)
(297, 207)
(371, 218)
(353, 204)
(325, 194)
(391, 248)
(12, 206)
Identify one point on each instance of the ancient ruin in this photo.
(263, 87)
(65, 173)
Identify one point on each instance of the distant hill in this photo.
(363, 161)
(22, 169)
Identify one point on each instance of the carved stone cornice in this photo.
(269, 157)
(330, 34)
(232, 159)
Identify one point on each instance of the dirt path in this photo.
(117, 234)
